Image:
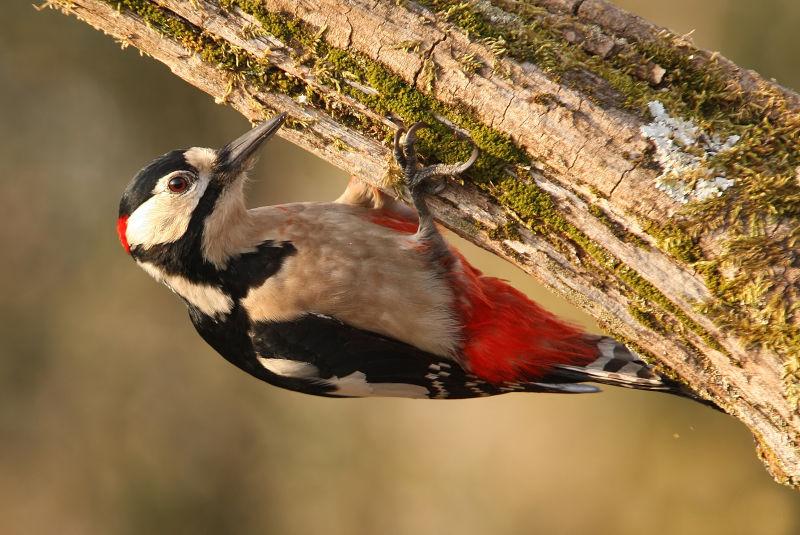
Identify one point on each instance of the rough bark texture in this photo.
(555, 94)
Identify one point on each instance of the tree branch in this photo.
(650, 183)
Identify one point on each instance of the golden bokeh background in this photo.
(116, 418)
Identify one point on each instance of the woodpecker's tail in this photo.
(618, 366)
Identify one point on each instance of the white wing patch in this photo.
(210, 300)
(356, 385)
(289, 368)
(353, 385)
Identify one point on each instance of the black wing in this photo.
(335, 359)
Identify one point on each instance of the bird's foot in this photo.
(419, 181)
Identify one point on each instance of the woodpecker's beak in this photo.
(236, 156)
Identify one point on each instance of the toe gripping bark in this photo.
(420, 182)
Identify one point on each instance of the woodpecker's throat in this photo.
(183, 219)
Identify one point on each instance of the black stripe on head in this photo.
(141, 187)
(184, 256)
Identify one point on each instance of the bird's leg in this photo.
(419, 182)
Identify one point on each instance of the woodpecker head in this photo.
(167, 206)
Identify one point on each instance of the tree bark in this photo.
(680, 240)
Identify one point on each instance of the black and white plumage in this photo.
(359, 297)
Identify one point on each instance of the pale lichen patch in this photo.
(684, 152)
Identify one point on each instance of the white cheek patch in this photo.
(210, 300)
(165, 216)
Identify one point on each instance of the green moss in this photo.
(700, 92)
(763, 161)
(645, 289)
(539, 213)
(470, 64)
(509, 231)
(597, 193)
(341, 146)
(291, 31)
(213, 50)
(395, 97)
(616, 229)
(466, 17)
(646, 318)
(673, 239)
(546, 99)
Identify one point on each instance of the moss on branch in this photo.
(765, 161)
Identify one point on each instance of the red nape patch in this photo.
(508, 337)
(394, 222)
(122, 227)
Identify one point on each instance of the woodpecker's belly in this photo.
(363, 274)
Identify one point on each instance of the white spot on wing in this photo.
(210, 300)
(289, 368)
(356, 385)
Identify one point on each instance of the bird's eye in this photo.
(178, 184)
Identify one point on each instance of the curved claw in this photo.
(406, 156)
(418, 183)
(473, 157)
(409, 151)
(456, 169)
(411, 135)
(399, 155)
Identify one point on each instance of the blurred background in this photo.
(116, 418)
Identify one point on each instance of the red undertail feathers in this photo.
(508, 337)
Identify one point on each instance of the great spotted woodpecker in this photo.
(357, 297)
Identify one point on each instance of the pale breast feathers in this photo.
(361, 273)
